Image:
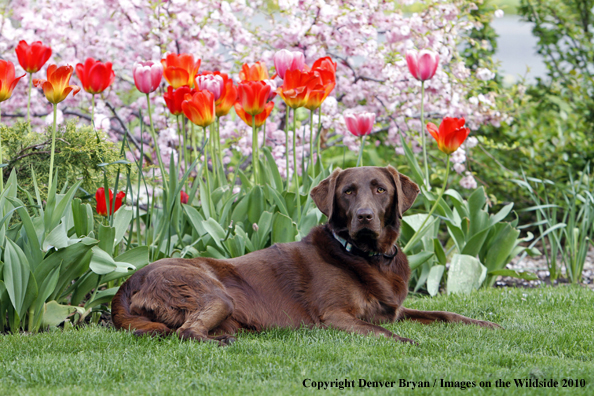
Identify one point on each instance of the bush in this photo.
(79, 149)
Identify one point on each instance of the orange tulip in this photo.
(227, 99)
(56, 88)
(200, 108)
(260, 118)
(256, 72)
(7, 80)
(252, 96)
(180, 70)
(450, 135)
(297, 86)
(326, 70)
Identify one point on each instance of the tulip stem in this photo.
(360, 159)
(29, 100)
(184, 136)
(180, 135)
(213, 149)
(423, 137)
(1, 169)
(51, 172)
(219, 153)
(93, 110)
(287, 142)
(419, 233)
(295, 174)
(319, 137)
(255, 156)
(311, 137)
(156, 143)
(205, 149)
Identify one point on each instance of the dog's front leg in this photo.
(347, 322)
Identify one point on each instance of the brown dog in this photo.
(348, 274)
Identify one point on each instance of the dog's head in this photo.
(365, 205)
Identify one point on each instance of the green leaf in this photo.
(195, 218)
(434, 279)
(106, 238)
(54, 313)
(60, 209)
(502, 214)
(475, 243)
(102, 297)
(16, 274)
(83, 218)
(283, 229)
(466, 274)
(58, 238)
(439, 251)
(514, 274)
(102, 263)
(121, 223)
(273, 168)
(417, 173)
(215, 230)
(256, 204)
(415, 260)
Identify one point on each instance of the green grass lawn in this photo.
(549, 335)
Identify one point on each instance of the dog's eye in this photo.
(348, 192)
(381, 190)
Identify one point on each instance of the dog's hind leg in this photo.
(213, 310)
(428, 317)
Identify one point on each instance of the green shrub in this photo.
(78, 152)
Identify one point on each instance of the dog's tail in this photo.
(123, 318)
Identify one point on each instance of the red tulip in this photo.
(183, 197)
(95, 76)
(56, 88)
(422, 65)
(297, 86)
(253, 96)
(260, 118)
(256, 72)
(147, 76)
(288, 60)
(7, 80)
(174, 98)
(32, 57)
(450, 135)
(325, 63)
(200, 108)
(360, 124)
(100, 198)
(180, 70)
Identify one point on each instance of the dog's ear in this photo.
(406, 190)
(323, 193)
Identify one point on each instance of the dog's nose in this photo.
(364, 215)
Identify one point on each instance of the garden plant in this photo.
(135, 131)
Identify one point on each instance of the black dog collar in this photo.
(349, 247)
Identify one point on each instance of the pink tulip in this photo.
(422, 65)
(147, 76)
(272, 85)
(360, 124)
(211, 82)
(285, 60)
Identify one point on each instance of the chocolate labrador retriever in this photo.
(348, 274)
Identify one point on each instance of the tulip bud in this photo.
(288, 60)
(360, 124)
(422, 65)
(212, 83)
(147, 76)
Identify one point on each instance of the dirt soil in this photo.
(538, 266)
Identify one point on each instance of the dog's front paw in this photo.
(225, 340)
(489, 325)
(405, 340)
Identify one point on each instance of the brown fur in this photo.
(313, 282)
